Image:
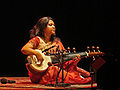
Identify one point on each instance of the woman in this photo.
(43, 36)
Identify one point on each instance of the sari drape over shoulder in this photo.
(72, 73)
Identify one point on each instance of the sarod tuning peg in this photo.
(93, 48)
(88, 49)
(68, 49)
(74, 50)
(98, 48)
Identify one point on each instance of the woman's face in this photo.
(50, 29)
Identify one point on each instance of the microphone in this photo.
(4, 81)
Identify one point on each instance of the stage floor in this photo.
(24, 83)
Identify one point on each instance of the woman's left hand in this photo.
(77, 59)
(78, 56)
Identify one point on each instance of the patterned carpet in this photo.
(24, 83)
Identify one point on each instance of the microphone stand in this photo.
(60, 55)
(62, 84)
(92, 72)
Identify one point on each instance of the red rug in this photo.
(24, 83)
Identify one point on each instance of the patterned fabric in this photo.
(72, 73)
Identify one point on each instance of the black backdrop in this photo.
(78, 24)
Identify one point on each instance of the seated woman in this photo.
(43, 36)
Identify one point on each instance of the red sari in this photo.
(72, 73)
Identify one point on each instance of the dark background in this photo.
(79, 23)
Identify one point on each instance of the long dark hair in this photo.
(38, 29)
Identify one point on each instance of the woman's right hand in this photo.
(39, 57)
(77, 59)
